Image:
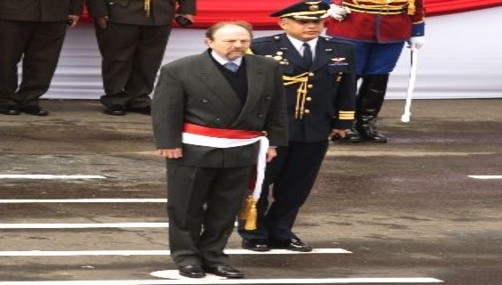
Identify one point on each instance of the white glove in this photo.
(416, 43)
(338, 12)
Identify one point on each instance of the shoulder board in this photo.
(335, 41)
(266, 39)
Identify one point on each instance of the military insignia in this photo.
(329, 50)
(314, 7)
(279, 53)
(283, 48)
(338, 61)
(278, 57)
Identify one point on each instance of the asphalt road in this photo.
(406, 209)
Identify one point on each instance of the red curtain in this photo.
(257, 11)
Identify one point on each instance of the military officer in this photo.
(32, 31)
(320, 86)
(132, 37)
(378, 29)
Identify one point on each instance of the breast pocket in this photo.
(337, 71)
(334, 68)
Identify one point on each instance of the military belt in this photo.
(378, 9)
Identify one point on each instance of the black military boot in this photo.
(368, 104)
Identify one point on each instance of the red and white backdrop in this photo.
(461, 57)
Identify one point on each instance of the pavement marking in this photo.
(51, 253)
(173, 275)
(93, 200)
(50, 176)
(234, 281)
(485, 176)
(81, 225)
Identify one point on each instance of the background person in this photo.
(32, 31)
(378, 30)
(320, 90)
(132, 37)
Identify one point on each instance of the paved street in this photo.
(424, 208)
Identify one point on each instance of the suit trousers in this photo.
(290, 177)
(131, 56)
(203, 204)
(38, 45)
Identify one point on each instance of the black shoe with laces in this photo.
(9, 110)
(293, 244)
(115, 110)
(192, 271)
(256, 244)
(34, 110)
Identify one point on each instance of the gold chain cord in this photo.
(148, 6)
(301, 92)
(385, 7)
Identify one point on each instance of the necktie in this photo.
(232, 66)
(307, 54)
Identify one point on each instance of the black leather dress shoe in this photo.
(115, 110)
(9, 111)
(192, 271)
(294, 244)
(351, 136)
(34, 110)
(144, 110)
(256, 244)
(225, 271)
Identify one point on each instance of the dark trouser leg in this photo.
(368, 104)
(223, 204)
(189, 189)
(295, 178)
(40, 60)
(147, 60)
(273, 169)
(40, 43)
(13, 39)
(117, 44)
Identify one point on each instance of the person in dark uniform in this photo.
(32, 31)
(210, 113)
(132, 37)
(378, 29)
(319, 77)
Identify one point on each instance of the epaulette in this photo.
(336, 41)
(266, 39)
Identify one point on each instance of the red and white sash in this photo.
(227, 138)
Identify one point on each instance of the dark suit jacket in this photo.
(133, 11)
(331, 94)
(39, 10)
(193, 89)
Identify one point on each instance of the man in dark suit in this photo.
(320, 90)
(32, 31)
(206, 121)
(132, 37)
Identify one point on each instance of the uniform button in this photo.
(218, 120)
(311, 74)
(205, 100)
(260, 115)
(310, 86)
(307, 111)
(308, 99)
